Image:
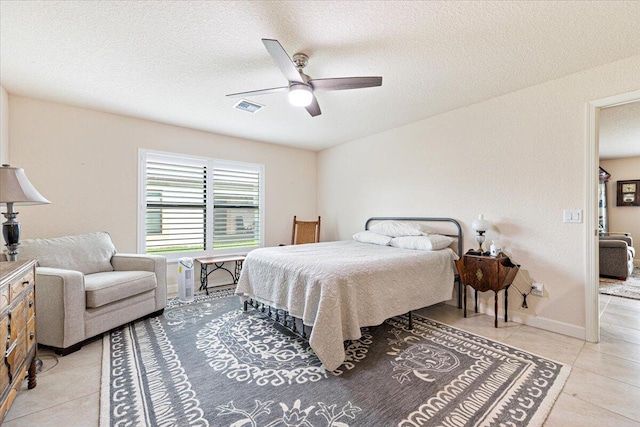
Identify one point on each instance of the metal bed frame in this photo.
(280, 317)
(283, 317)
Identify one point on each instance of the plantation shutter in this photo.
(236, 207)
(176, 206)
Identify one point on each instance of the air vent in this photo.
(249, 106)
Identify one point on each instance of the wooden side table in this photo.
(486, 273)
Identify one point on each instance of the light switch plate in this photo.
(574, 216)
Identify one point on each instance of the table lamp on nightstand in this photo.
(481, 225)
(15, 189)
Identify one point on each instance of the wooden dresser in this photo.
(17, 328)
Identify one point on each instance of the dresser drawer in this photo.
(4, 408)
(4, 377)
(17, 320)
(31, 333)
(31, 304)
(5, 293)
(18, 353)
(13, 392)
(481, 273)
(4, 372)
(18, 286)
(4, 334)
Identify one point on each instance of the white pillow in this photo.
(398, 229)
(432, 242)
(371, 237)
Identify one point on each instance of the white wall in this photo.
(4, 128)
(519, 159)
(85, 162)
(623, 218)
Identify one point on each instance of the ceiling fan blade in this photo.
(343, 83)
(282, 60)
(313, 108)
(259, 92)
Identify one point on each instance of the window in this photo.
(192, 206)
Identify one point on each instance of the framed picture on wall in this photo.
(628, 193)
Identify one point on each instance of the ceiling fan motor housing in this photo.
(300, 60)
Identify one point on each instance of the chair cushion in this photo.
(105, 288)
(87, 253)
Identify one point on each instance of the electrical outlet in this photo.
(537, 289)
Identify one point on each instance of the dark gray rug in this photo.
(629, 288)
(211, 364)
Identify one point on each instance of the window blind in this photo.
(236, 208)
(176, 206)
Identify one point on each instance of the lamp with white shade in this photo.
(481, 225)
(15, 189)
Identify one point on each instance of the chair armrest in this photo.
(60, 306)
(613, 244)
(627, 239)
(154, 263)
(136, 262)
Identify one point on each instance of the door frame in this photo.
(592, 305)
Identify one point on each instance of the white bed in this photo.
(339, 287)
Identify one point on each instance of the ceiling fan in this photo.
(301, 87)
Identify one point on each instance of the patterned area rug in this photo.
(214, 293)
(629, 288)
(211, 364)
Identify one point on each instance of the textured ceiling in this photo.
(173, 62)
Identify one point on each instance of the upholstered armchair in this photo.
(84, 288)
(616, 255)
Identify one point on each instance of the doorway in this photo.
(592, 318)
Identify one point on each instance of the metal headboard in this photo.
(424, 219)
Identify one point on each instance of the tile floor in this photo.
(603, 388)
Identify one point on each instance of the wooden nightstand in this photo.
(486, 273)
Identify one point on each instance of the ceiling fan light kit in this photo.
(301, 87)
(300, 95)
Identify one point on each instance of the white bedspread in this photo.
(339, 287)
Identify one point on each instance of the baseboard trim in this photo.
(550, 325)
(543, 323)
